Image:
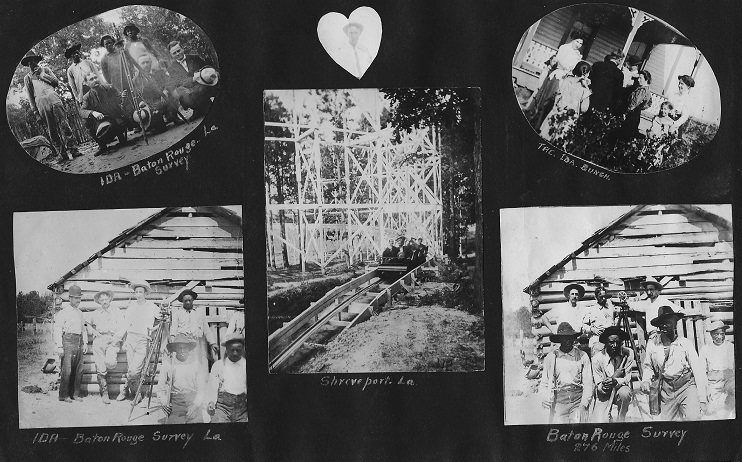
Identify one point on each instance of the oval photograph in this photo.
(617, 87)
(112, 89)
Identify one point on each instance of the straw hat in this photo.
(580, 290)
(208, 76)
(181, 339)
(96, 297)
(143, 284)
(234, 337)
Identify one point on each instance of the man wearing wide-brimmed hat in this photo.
(654, 301)
(570, 312)
(78, 71)
(598, 317)
(228, 383)
(40, 83)
(717, 359)
(354, 57)
(568, 378)
(103, 325)
(672, 366)
(140, 318)
(183, 382)
(71, 339)
(612, 370)
(191, 322)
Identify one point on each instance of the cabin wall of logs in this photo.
(186, 244)
(685, 248)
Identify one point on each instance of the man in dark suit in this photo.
(183, 67)
(606, 83)
(104, 118)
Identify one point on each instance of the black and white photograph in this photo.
(617, 87)
(130, 317)
(372, 230)
(618, 314)
(351, 42)
(112, 89)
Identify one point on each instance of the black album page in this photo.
(369, 231)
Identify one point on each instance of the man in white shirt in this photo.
(717, 359)
(353, 57)
(71, 339)
(569, 312)
(181, 384)
(228, 383)
(654, 301)
(104, 323)
(597, 318)
(672, 365)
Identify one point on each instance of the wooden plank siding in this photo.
(181, 245)
(687, 249)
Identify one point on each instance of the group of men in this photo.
(590, 371)
(185, 388)
(414, 250)
(134, 88)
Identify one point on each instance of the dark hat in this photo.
(30, 56)
(352, 23)
(71, 50)
(580, 290)
(564, 330)
(187, 292)
(96, 297)
(650, 281)
(75, 291)
(181, 339)
(131, 25)
(103, 39)
(688, 80)
(663, 313)
(235, 337)
(613, 330)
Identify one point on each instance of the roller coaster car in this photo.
(393, 268)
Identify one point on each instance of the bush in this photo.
(593, 137)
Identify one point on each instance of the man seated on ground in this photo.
(612, 369)
(228, 383)
(181, 400)
(104, 118)
(156, 89)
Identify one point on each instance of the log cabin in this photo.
(172, 248)
(686, 248)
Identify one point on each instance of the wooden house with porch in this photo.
(686, 248)
(661, 50)
(177, 247)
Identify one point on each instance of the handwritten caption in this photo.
(131, 439)
(612, 441)
(365, 382)
(164, 162)
(573, 161)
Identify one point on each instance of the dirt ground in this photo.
(523, 406)
(406, 338)
(41, 408)
(116, 157)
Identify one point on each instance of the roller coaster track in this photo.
(341, 308)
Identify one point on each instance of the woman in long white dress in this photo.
(683, 102)
(572, 99)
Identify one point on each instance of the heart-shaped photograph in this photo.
(352, 42)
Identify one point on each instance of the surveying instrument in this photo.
(133, 102)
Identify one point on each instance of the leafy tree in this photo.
(33, 304)
(279, 166)
(455, 114)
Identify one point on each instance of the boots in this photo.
(122, 393)
(103, 389)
